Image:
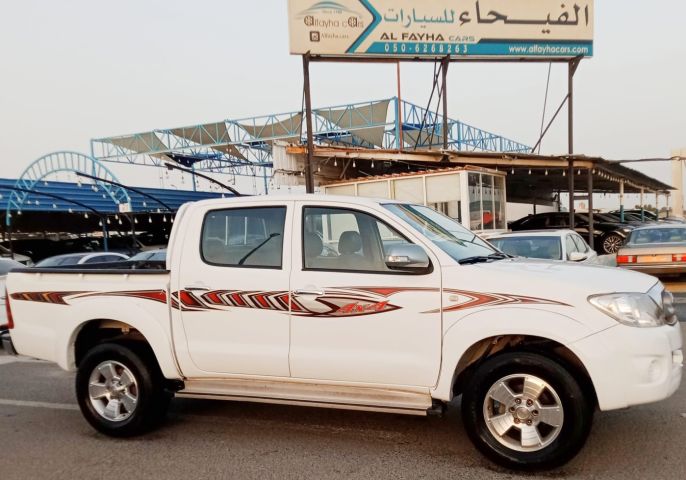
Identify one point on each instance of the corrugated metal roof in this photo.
(98, 199)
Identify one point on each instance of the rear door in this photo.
(354, 319)
(232, 290)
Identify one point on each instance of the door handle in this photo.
(196, 288)
(309, 291)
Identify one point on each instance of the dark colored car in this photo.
(629, 219)
(608, 236)
(648, 215)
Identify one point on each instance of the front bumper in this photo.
(632, 366)
(7, 344)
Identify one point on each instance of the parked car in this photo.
(159, 255)
(413, 310)
(658, 249)
(629, 219)
(6, 265)
(18, 257)
(565, 245)
(71, 259)
(648, 215)
(607, 236)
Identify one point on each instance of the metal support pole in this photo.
(132, 220)
(571, 69)
(590, 207)
(105, 235)
(309, 174)
(444, 75)
(643, 216)
(195, 188)
(621, 200)
(657, 206)
(570, 187)
(264, 178)
(399, 113)
(9, 235)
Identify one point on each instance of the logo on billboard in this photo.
(325, 7)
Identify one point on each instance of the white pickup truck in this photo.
(353, 303)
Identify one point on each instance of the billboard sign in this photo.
(437, 28)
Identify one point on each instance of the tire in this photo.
(501, 439)
(611, 243)
(120, 389)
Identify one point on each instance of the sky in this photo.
(74, 70)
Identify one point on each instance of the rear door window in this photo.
(244, 237)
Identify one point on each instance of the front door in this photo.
(233, 295)
(353, 318)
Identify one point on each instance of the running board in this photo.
(391, 400)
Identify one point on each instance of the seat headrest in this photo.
(349, 243)
(313, 245)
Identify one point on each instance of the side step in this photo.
(391, 400)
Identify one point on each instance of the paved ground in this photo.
(42, 435)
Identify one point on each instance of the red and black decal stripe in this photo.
(58, 298)
(336, 302)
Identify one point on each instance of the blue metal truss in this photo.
(56, 162)
(243, 146)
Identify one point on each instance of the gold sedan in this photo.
(655, 249)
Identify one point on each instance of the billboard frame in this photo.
(572, 66)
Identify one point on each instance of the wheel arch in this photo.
(500, 344)
(490, 332)
(124, 323)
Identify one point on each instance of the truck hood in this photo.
(565, 282)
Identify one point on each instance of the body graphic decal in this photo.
(335, 302)
(58, 298)
(463, 299)
(61, 298)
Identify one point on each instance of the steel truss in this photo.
(243, 147)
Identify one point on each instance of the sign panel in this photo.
(437, 28)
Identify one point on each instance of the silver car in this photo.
(563, 245)
(656, 249)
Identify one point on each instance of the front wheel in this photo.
(120, 390)
(612, 243)
(525, 411)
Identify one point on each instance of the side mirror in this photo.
(577, 257)
(407, 257)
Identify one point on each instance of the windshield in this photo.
(446, 233)
(152, 256)
(548, 248)
(606, 217)
(60, 261)
(658, 235)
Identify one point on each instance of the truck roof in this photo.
(299, 197)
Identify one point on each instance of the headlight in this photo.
(668, 308)
(633, 309)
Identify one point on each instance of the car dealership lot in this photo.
(42, 435)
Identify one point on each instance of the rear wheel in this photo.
(612, 243)
(525, 411)
(120, 390)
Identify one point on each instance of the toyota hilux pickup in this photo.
(360, 304)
